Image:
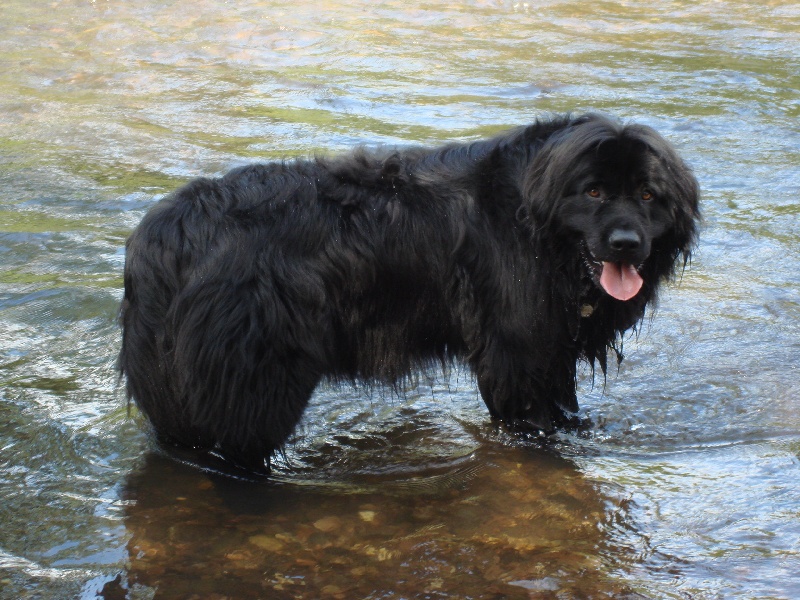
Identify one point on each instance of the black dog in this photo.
(518, 255)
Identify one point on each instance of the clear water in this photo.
(687, 485)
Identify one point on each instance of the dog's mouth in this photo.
(620, 280)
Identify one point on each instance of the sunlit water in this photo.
(685, 485)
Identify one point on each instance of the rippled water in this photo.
(687, 483)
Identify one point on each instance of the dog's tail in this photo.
(153, 275)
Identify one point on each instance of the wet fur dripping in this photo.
(518, 255)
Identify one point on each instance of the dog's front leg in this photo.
(527, 390)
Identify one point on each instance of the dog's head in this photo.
(622, 197)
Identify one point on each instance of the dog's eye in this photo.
(594, 192)
(647, 195)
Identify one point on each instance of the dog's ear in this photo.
(686, 211)
(680, 185)
(551, 169)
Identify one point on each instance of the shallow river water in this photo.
(685, 485)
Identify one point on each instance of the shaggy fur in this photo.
(518, 255)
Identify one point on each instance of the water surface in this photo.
(687, 482)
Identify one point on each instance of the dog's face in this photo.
(628, 202)
(618, 202)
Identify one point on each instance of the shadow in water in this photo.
(502, 522)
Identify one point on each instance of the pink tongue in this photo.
(620, 280)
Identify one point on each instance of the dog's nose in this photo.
(624, 239)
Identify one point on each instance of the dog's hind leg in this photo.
(264, 413)
(242, 373)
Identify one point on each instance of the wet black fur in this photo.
(243, 293)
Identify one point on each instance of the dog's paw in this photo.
(531, 426)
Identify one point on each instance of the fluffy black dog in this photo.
(517, 255)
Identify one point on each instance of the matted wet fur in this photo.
(518, 255)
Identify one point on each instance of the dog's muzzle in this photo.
(619, 279)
